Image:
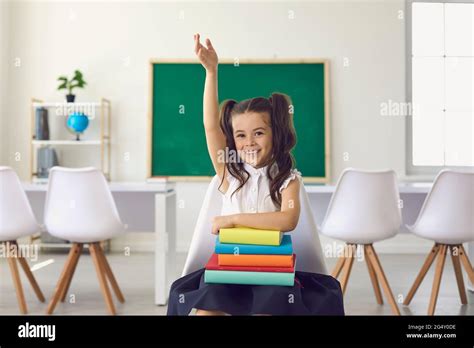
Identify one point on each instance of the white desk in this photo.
(412, 194)
(142, 207)
(402, 187)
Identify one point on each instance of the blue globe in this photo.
(78, 122)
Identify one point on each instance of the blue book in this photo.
(285, 248)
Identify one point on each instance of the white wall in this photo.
(4, 46)
(54, 38)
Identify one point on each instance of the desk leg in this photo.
(470, 252)
(165, 245)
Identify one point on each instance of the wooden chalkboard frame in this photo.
(307, 179)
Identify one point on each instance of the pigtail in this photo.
(225, 117)
(284, 140)
(282, 122)
(236, 169)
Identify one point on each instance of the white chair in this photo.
(16, 220)
(305, 237)
(447, 218)
(80, 208)
(363, 210)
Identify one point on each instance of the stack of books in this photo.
(252, 257)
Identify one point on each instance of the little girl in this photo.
(260, 189)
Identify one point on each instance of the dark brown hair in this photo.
(283, 138)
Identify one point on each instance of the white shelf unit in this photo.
(38, 103)
(101, 145)
(66, 142)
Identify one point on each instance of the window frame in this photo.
(410, 168)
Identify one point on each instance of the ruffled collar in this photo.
(262, 171)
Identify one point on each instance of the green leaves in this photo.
(63, 85)
(77, 81)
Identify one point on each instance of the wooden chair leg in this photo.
(110, 276)
(347, 267)
(458, 272)
(62, 279)
(17, 281)
(74, 262)
(373, 278)
(30, 276)
(382, 278)
(424, 269)
(339, 265)
(466, 263)
(93, 247)
(437, 279)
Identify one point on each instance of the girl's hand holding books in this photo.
(224, 221)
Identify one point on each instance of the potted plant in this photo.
(77, 81)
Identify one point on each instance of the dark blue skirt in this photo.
(312, 294)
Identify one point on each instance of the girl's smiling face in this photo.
(253, 137)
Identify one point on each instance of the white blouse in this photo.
(254, 196)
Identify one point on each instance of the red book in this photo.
(213, 265)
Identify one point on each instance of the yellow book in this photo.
(246, 235)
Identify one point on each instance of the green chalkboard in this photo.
(178, 144)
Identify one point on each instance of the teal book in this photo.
(249, 278)
(285, 248)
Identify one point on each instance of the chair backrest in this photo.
(79, 201)
(364, 208)
(448, 210)
(305, 238)
(16, 216)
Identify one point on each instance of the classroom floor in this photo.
(136, 278)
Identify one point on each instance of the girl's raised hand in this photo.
(207, 56)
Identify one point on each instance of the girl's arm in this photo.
(215, 138)
(284, 220)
